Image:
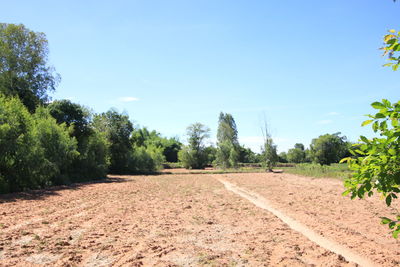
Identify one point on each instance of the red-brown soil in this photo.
(189, 220)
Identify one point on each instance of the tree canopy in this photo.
(24, 70)
(227, 142)
(328, 148)
(194, 156)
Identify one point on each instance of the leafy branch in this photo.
(376, 161)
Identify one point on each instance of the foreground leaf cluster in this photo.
(376, 161)
(391, 48)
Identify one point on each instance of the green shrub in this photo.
(19, 151)
(36, 151)
(148, 159)
(192, 159)
(93, 161)
(58, 149)
(194, 156)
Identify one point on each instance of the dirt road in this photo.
(191, 220)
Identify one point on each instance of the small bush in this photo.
(146, 159)
(192, 159)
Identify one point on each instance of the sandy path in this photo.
(165, 220)
(318, 204)
(261, 202)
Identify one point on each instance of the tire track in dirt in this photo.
(263, 203)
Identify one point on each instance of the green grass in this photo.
(339, 171)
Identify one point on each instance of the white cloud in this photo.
(128, 99)
(324, 122)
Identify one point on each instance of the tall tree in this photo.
(297, 154)
(268, 149)
(329, 148)
(24, 70)
(72, 114)
(227, 142)
(118, 128)
(194, 156)
(92, 161)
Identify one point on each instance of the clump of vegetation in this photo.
(269, 149)
(376, 161)
(24, 70)
(334, 170)
(194, 156)
(36, 151)
(296, 154)
(227, 155)
(93, 159)
(329, 148)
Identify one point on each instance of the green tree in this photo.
(328, 148)
(282, 157)
(35, 150)
(211, 153)
(59, 150)
(297, 154)
(246, 155)
(24, 71)
(193, 156)
(227, 142)
(19, 152)
(268, 149)
(72, 114)
(169, 146)
(93, 158)
(117, 128)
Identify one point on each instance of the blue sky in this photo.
(309, 67)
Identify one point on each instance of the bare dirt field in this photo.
(193, 220)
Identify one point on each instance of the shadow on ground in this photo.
(54, 190)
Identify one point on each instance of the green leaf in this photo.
(385, 220)
(379, 116)
(391, 41)
(366, 122)
(396, 233)
(386, 102)
(364, 139)
(377, 105)
(396, 189)
(345, 160)
(395, 122)
(345, 193)
(392, 152)
(360, 152)
(375, 126)
(388, 200)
